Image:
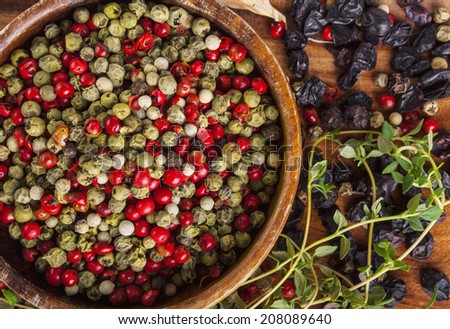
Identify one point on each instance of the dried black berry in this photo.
(404, 58)
(356, 212)
(314, 23)
(312, 92)
(344, 12)
(331, 117)
(296, 236)
(342, 56)
(408, 3)
(441, 50)
(385, 185)
(433, 77)
(376, 23)
(419, 14)
(321, 201)
(384, 232)
(396, 289)
(424, 249)
(358, 98)
(294, 40)
(365, 57)
(426, 39)
(399, 35)
(441, 147)
(301, 9)
(295, 216)
(437, 91)
(342, 173)
(431, 278)
(417, 69)
(70, 150)
(344, 34)
(412, 99)
(298, 63)
(348, 80)
(445, 177)
(361, 259)
(357, 117)
(326, 215)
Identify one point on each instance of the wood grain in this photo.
(22, 278)
(322, 66)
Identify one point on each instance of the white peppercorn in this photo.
(395, 118)
(381, 80)
(36, 193)
(161, 63)
(205, 96)
(12, 144)
(93, 220)
(172, 209)
(190, 130)
(118, 161)
(104, 237)
(102, 178)
(212, 42)
(71, 291)
(81, 227)
(126, 228)
(441, 15)
(51, 222)
(207, 203)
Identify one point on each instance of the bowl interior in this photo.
(21, 276)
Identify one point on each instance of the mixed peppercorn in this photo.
(137, 149)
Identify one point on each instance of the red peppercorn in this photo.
(74, 256)
(3, 172)
(387, 102)
(25, 155)
(393, 18)
(162, 196)
(212, 55)
(165, 250)
(241, 112)
(181, 254)
(45, 246)
(255, 172)
(331, 92)
(413, 117)
(118, 297)
(50, 204)
(5, 110)
(17, 117)
(69, 278)
(33, 94)
(225, 44)
(145, 42)
(158, 98)
(149, 298)
(217, 131)
(277, 29)
(78, 66)
(7, 214)
(197, 67)
(95, 267)
(142, 178)
(89, 256)
(115, 177)
(112, 125)
(327, 33)
(66, 58)
(58, 77)
(101, 50)
(259, 85)
(184, 87)
(146, 24)
(141, 228)
(77, 199)
(241, 82)
(102, 248)
(28, 68)
(207, 241)
(243, 143)
(87, 79)
(127, 276)
(48, 159)
(186, 218)
(237, 52)
(3, 286)
(223, 82)
(81, 29)
(288, 290)
(92, 128)
(134, 293)
(405, 128)
(162, 124)
(430, 124)
(29, 255)
(53, 276)
(152, 266)
(141, 278)
(64, 89)
(310, 115)
(251, 202)
(242, 222)
(131, 213)
(145, 206)
(129, 47)
(161, 30)
(159, 234)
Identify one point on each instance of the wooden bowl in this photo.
(22, 278)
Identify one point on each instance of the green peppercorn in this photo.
(246, 66)
(159, 13)
(18, 55)
(50, 63)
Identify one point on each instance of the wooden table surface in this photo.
(322, 65)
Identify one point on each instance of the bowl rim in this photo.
(45, 11)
